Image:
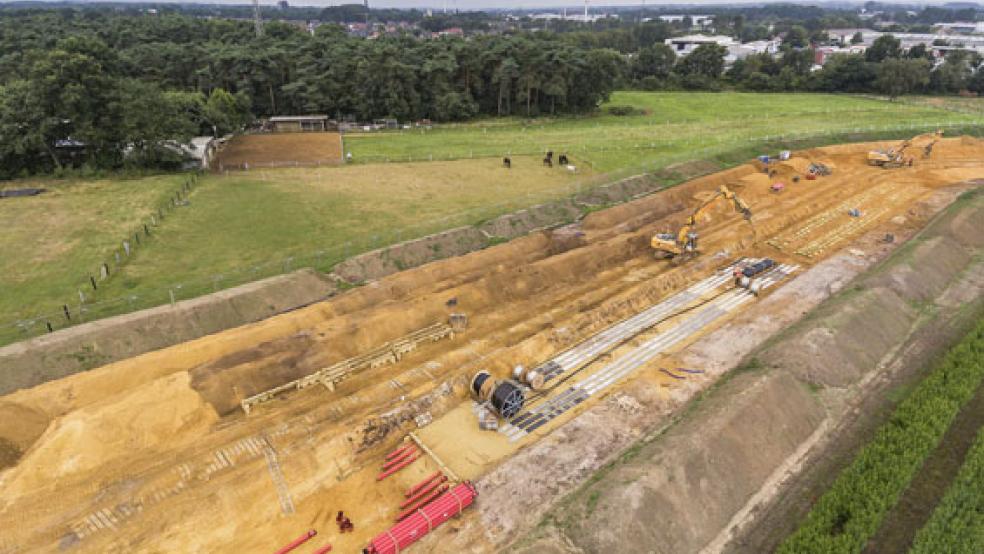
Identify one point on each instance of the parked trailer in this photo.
(411, 529)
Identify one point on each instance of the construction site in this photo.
(413, 413)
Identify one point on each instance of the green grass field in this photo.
(671, 127)
(246, 226)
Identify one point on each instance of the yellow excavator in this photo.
(896, 157)
(683, 245)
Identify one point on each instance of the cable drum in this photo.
(508, 399)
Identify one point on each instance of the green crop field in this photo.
(851, 510)
(244, 226)
(666, 127)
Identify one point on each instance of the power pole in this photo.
(257, 22)
(585, 11)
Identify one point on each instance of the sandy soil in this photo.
(178, 453)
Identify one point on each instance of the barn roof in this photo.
(280, 118)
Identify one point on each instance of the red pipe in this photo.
(413, 490)
(422, 492)
(297, 542)
(422, 502)
(398, 459)
(401, 535)
(323, 550)
(394, 453)
(397, 467)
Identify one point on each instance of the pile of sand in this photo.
(154, 417)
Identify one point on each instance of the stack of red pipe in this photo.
(424, 519)
(398, 459)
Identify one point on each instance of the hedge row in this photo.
(957, 523)
(850, 512)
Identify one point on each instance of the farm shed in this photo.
(298, 123)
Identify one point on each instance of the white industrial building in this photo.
(683, 46)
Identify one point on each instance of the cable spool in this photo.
(534, 379)
(517, 372)
(531, 377)
(482, 385)
(507, 399)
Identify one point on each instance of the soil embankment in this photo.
(680, 491)
(39, 360)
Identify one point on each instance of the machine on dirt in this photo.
(896, 157)
(683, 245)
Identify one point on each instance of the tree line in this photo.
(103, 89)
(106, 88)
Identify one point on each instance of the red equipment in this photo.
(414, 489)
(423, 492)
(409, 531)
(406, 454)
(397, 467)
(397, 452)
(297, 542)
(323, 550)
(420, 503)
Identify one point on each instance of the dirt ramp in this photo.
(153, 417)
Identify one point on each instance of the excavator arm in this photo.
(685, 241)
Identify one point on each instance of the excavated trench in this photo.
(526, 300)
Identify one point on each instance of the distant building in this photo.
(283, 4)
(970, 43)
(684, 45)
(962, 28)
(299, 123)
(696, 21)
(822, 54)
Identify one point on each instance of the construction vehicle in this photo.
(746, 276)
(683, 244)
(896, 157)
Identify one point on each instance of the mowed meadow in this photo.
(663, 128)
(242, 226)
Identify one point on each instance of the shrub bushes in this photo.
(957, 523)
(850, 512)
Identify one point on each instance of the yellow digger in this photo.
(683, 245)
(896, 157)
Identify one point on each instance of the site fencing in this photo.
(88, 304)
